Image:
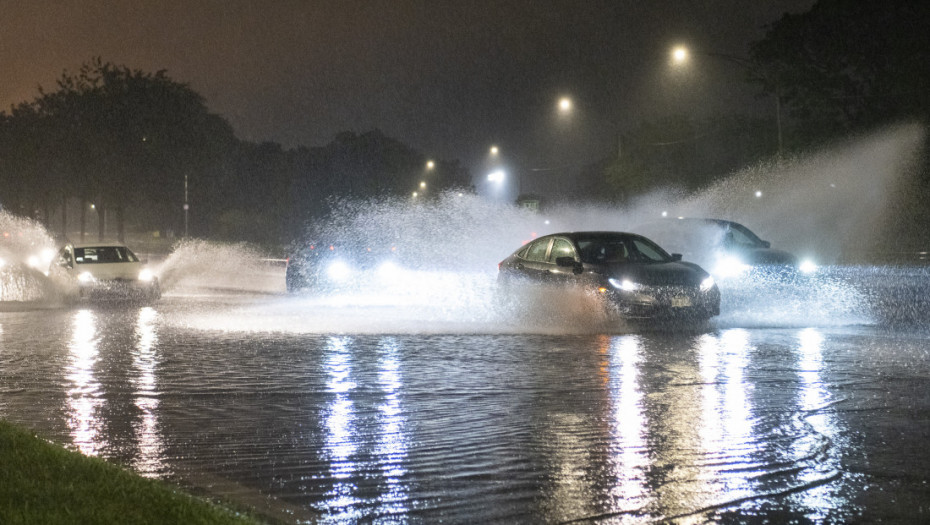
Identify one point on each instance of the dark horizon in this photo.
(449, 80)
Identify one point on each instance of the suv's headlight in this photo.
(146, 275)
(338, 271)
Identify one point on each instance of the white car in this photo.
(103, 271)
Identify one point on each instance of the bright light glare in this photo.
(33, 261)
(807, 266)
(338, 271)
(146, 275)
(626, 285)
(86, 277)
(679, 54)
(2, 263)
(388, 271)
(494, 150)
(758, 194)
(496, 176)
(730, 267)
(430, 165)
(565, 104)
(707, 284)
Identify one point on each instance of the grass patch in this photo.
(43, 483)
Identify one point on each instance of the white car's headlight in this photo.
(85, 277)
(146, 275)
(707, 283)
(807, 266)
(338, 271)
(625, 284)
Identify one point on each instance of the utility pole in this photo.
(186, 205)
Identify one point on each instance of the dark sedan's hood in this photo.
(658, 274)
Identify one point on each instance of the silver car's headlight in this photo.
(85, 277)
(707, 284)
(730, 267)
(807, 266)
(146, 275)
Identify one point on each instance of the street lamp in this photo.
(565, 105)
(430, 165)
(494, 151)
(680, 57)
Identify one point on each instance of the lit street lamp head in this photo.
(679, 55)
(565, 105)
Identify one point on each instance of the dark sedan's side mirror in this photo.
(766, 244)
(676, 256)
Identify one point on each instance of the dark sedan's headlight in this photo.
(625, 284)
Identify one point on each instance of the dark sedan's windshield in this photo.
(609, 250)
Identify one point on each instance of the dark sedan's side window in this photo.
(537, 251)
(561, 248)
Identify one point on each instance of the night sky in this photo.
(448, 78)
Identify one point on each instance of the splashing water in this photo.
(450, 248)
(26, 249)
(197, 264)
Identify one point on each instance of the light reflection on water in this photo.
(461, 428)
(150, 460)
(83, 394)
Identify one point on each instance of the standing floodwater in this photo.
(781, 422)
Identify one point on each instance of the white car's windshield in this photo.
(104, 254)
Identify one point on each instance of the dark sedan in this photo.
(634, 273)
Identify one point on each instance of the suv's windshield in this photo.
(608, 250)
(104, 254)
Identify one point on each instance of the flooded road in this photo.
(736, 421)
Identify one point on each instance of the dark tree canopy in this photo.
(127, 141)
(848, 64)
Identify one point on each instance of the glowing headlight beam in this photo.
(707, 283)
(625, 284)
(338, 271)
(146, 275)
(730, 267)
(807, 266)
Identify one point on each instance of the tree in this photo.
(119, 138)
(847, 65)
